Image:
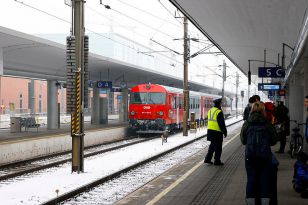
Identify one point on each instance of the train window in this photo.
(138, 98)
(156, 98)
(174, 103)
(147, 98)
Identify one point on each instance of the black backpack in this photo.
(258, 142)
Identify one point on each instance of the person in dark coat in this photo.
(216, 130)
(283, 121)
(248, 107)
(258, 171)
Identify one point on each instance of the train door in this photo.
(171, 109)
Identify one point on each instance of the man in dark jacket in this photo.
(248, 107)
(216, 129)
(284, 122)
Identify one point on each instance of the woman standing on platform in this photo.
(258, 135)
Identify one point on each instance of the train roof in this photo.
(163, 88)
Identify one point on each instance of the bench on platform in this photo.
(29, 122)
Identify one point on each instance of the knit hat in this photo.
(217, 101)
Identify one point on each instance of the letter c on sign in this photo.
(279, 72)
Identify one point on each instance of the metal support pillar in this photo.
(124, 106)
(110, 102)
(103, 110)
(77, 117)
(95, 106)
(223, 79)
(32, 97)
(52, 105)
(185, 82)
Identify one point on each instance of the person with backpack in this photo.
(258, 135)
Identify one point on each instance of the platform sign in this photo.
(115, 90)
(269, 86)
(104, 84)
(271, 72)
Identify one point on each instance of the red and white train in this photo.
(156, 108)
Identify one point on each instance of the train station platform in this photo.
(193, 182)
(39, 142)
(7, 135)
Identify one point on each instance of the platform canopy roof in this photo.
(33, 57)
(243, 29)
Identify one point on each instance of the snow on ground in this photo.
(41, 186)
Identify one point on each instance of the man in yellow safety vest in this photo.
(216, 130)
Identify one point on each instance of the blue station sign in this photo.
(269, 86)
(271, 72)
(104, 84)
(115, 90)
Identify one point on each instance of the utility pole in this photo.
(223, 79)
(77, 117)
(236, 99)
(185, 82)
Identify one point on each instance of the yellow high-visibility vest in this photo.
(212, 123)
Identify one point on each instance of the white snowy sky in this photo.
(135, 19)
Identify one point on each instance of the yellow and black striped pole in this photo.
(77, 129)
(78, 103)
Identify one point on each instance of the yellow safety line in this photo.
(182, 178)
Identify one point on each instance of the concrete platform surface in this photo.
(193, 182)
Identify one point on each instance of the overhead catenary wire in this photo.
(99, 34)
(140, 22)
(146, 12)
(155, 16)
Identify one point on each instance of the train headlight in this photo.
(161, 113)
(132, 112)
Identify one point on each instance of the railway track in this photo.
(16, 169)
(68, 195)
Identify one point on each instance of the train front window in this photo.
(156, 98)
(138, 98)
(148, 98)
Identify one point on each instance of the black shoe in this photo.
(208, 162)
(218, 163)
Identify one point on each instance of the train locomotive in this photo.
(156, 108)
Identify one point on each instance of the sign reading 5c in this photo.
(271, 72)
